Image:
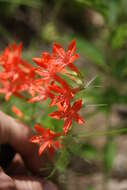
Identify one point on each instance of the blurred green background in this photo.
(98, 159)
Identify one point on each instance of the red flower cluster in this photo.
(16, 74)
(46, 80)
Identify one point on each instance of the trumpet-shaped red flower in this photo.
(51, 65)
(69, 115)
(40, 91)
(66, 58)
(48, 67)
(47, 139)
(63, 95)
(11, 55)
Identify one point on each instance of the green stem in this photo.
(101, 133)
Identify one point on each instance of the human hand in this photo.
(17, 135)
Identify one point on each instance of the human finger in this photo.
(6, 182)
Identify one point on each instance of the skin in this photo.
(17, 135)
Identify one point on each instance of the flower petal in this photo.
(39, 129)
(43, 147)
(77, 105)
(67, 125)
(73, 68)
(58, 50)
(72, 47)
(79, 119)
(56, 114)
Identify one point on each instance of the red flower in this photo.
(11, 55)
(40, 91)
(66, 58)
(16, 74)
(51, 65)
(47, 139)
(43, 61)
(63, 95)
(48, 67)
(69, 115)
